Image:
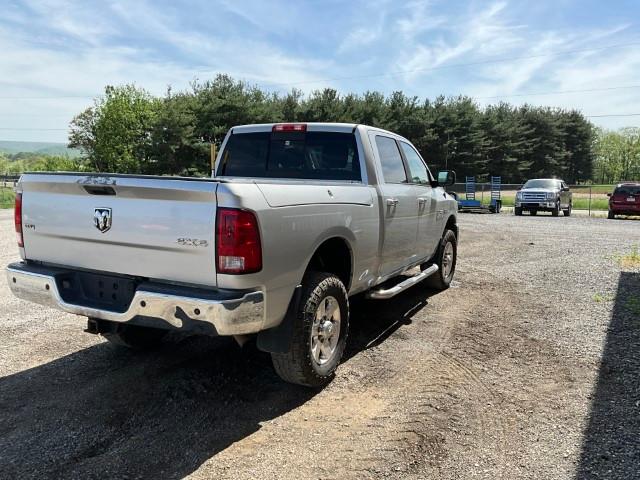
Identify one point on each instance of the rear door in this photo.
(428, 229)
(399, 206)
(160, 228)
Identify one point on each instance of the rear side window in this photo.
(390, 160)
(246, 155)
(309, 155)
(417, 168)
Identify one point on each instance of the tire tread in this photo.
(436, 281)
(295, 365)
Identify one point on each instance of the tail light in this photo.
(289, 127)
(238, 248)
(17, 217)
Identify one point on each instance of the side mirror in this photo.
(608, 194)
(446, 178)
(565, 189)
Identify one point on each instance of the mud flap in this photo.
(278, 339)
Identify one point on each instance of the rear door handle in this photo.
(392, 202)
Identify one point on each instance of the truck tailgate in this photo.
(155, 227)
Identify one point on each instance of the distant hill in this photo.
(46, 148)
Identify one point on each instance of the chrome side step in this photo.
(402, 286)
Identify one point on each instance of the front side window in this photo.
(306, 155)
(417, 169)
(390, 160)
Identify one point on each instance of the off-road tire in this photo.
(297, 365)
(135, 337)
(438, 281)
(517, 211)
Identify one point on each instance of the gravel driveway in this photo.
(527, 368)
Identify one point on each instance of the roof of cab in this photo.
(311, 127)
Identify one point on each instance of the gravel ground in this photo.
(527, 368)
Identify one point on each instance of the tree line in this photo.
(16, 163)
(617, 155)
(128, 130)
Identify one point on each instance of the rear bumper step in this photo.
(153, 305)
(383, 294)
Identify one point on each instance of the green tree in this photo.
(578, 138)
(115, 133)
(128, 130)
(176, 147)
(505, 149)
(616, 155)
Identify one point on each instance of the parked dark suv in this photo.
(544, 194)
(625, 200)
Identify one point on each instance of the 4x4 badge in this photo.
(102, 219)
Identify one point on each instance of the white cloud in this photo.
(361, 37)
(367, 29)
(485, 53)
(418, 18)
(481, 32)
(70, 18)
(55, 68)
(569, 73)
(74, 48)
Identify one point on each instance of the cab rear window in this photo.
(306, 155)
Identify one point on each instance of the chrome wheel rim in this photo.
(325, 331)
(447, 260)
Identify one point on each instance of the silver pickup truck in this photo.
(296, 219)
(544, 195)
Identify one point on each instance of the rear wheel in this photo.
(320, 332)
(135, 337)
(445, 258)
(611, 215)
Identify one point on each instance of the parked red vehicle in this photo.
(625, 200)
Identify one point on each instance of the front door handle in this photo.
(392, 202)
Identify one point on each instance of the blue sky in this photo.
(59, 54)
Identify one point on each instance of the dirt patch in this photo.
(515, 372)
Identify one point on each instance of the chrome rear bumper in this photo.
(220, 312)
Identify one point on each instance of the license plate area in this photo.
(105, 292)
